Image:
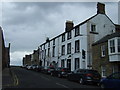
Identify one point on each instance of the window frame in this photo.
(112, 46)
(53, 52)
(63, 50)
(103, 50)
(69, 48)
(63, 37)
(77, 31)
(77, 63)
(118, 45)
(93, 28)
(69, 35)
(77, 48)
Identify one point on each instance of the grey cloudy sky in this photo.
(27, 24)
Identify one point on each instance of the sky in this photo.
(27, 24)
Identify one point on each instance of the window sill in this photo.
(93, 32)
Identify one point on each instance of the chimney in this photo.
(69, 25)
(100, 8)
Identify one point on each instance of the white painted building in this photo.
(73, 48)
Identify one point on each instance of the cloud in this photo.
(17, 56)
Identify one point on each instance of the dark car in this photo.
(34, 67)
(39, 68)
(60, 72)
(112, 81)
(84, 76)
(47, 69)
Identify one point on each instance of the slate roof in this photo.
(104, 39)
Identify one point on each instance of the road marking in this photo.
(45, 78)
(62, 85)
(15, 80)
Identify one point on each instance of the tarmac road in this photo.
(31, 79)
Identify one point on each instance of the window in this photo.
(103, 71)
(53, 51)
(77, 46)
(62, 63)
(53, 41)
(69, 35)
(63, 50)
(63, 37)
(77, 32)
(83, 54)
(93, 28)
(76, 63)
(69, 48)
(103, 50)
(45, 54)
(48, 44)
(112, 46)
(48, 52)
(118, 45)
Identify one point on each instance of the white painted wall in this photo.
(104, 27)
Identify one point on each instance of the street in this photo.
(32, 79)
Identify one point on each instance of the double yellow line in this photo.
(15, 80)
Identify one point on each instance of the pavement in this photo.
(8, 78)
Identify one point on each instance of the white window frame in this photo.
(103, 70)
(118, 45)
(103, 51)
(93, 29)
(111, 52)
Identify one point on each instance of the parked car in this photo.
(112, 81)
(29, 67)
(60, 72)
(39, 68)
(84, 76)
(47, 69)
(34, 67)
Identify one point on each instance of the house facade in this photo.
(73, 48)
(27, 60)
(35, 58)
(106, 54)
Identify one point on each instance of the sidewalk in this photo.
(7, 78)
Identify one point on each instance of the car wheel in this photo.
(59, 75)
(81, 81)
(102, 86)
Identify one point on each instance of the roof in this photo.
(72, 28)
(77, 26)
(105, 39)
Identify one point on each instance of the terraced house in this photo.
(106, 54)
(73, 48)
